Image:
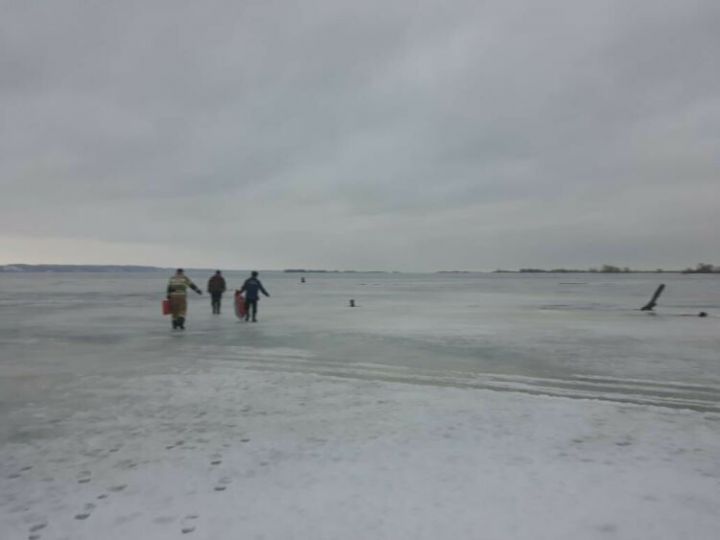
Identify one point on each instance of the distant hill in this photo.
(27, 268)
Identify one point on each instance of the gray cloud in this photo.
(397, 135)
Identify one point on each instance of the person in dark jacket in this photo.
(252, 287)
(216, 287)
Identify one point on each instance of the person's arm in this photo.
(242, 290)
(193, 286)
(169, 290)
(262, 289)
(224, 285)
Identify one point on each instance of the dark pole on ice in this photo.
(652, 303)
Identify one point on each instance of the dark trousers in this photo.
(215, 299)
(250, 305)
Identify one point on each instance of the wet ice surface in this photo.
(458, 406)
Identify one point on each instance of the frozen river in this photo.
(445, 405)
(567, 334)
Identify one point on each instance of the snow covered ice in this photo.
(443, 406)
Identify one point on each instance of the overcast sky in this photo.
(375, 134)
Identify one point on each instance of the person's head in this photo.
(179, 271)
(217, 272)
(254, 273)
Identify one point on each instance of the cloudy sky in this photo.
(397, 135)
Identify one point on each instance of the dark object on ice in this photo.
(302, 280)
(652, 303)
(352, 303)
(702, 314)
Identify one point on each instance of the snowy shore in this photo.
(228, 451)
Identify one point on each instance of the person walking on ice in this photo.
(252, 287)
(177, 295)
(216, 287)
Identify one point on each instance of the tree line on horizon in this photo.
(701, 268)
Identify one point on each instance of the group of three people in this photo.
(179, 284)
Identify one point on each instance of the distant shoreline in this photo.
(132, 268)
(78, 268)
(304, 271)
(43, 268)
(589, 271)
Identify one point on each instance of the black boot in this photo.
(181, 323)
(174, 324)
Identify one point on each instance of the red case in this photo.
(166, 307)
(240, 308)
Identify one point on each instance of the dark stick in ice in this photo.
(652, 303)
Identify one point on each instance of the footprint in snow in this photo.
(87, 510)
(223, 483)
(37, 527)
(623, 443)
(84, 477)
(187, 524)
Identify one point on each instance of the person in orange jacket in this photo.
(177, 295)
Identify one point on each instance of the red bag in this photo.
(166, 307)
(240, 307)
